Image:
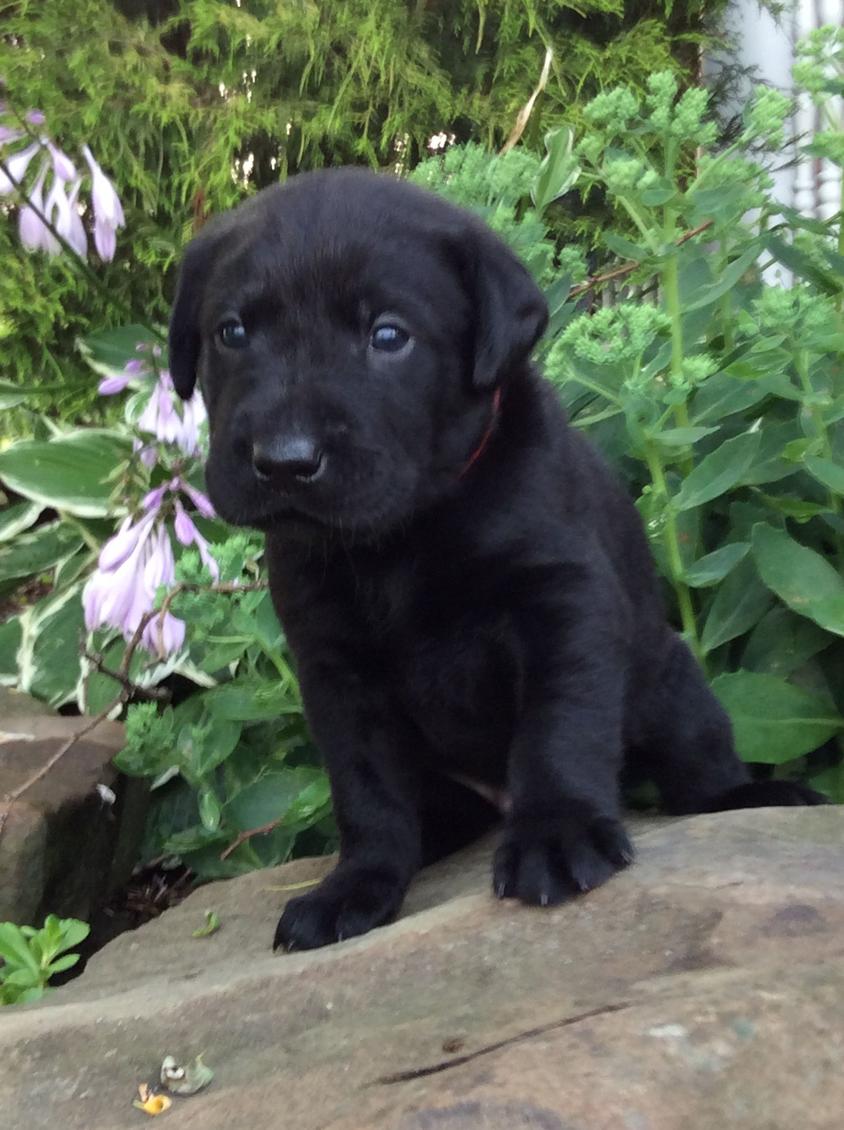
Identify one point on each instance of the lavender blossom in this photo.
(121, 591)
(169, 423)
(200, 500)
(115, 383)
(63, 167)
(60, 213)
(108, 211)
(188, 534)
(34, 233)
(17, 165)
(61, 207)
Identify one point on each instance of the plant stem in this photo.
(802, 364)
(671, 540)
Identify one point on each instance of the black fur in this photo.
(497, 623)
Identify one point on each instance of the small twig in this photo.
(154, 694)
(628, 268)
(242, 837)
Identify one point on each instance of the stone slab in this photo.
(701, 989)
(57, 844)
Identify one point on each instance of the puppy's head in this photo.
(348, 332)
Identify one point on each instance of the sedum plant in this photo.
(715, 380)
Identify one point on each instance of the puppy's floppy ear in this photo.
(509, 308)
(184, 336)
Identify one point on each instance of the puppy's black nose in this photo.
(288, 461)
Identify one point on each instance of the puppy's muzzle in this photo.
(288, 463)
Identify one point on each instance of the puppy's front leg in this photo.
(564, 832)
(365, 744)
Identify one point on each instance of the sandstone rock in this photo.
(701, 989)
(57, 844)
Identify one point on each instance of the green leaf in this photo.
(718, 472)
(714, 567)
(20, 978)
(269, 798)
(797, 508)
(739, 603)
(770, 465)
(210, 809)
(62, 963)
(310, 804)
(111, 349)
(623, 247)
(773, 721)
(11, 395)
(830, 782)
(10, 639)
(68, 473)
(726, 280)
(721, 395)
(248, 700)
(14, 948)
(72, 932)
(219, 743)
(48, 658)
(212, 925)
(681, 437)
(782, 641)
(801, 263)
(35, 552)
(800, 577)
(559, 169)
(17, 517)
(826, 472)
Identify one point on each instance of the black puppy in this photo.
(468, 593)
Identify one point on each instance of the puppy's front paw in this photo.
(349, 902)
(547, 860)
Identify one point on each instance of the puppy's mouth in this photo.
(322, 498)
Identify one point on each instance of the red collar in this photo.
(486, 437)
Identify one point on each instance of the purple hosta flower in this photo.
(164, 635)
(34, 233)
(110, 386)
(63, 167)
(76, 235)
(17, 165)
(145, 451)
(108, 212)
(188, 534)
(35, 117)
(61, 211)
(115, 383)
(193, 417)
(169, 423)
(132, 566)
(200, 501)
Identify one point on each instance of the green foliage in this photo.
(31, 957)
(234, 756)
(720, 396)
(189, 104)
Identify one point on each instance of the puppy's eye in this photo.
(233, 334)
(389, 338)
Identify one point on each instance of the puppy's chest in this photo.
(448, 655)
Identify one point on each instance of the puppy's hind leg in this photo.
(681, 738)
